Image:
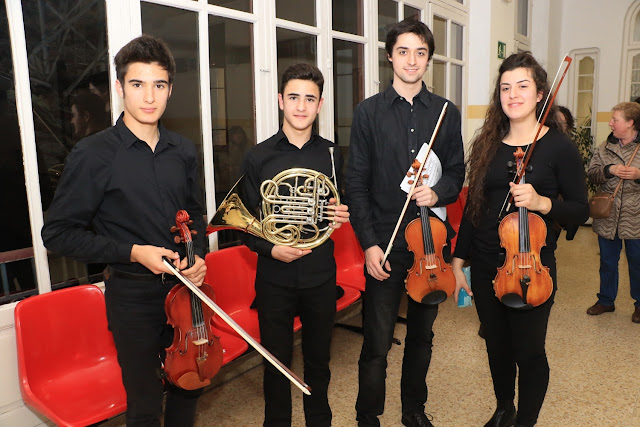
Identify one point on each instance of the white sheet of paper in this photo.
(433, 168)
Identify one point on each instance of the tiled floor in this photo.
(595, 367)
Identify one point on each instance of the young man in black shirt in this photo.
(291, 281)
(116, 201)
(387, 132)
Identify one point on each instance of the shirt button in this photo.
(401, 98)
(412, 110)
(411, 130)
(413, 151)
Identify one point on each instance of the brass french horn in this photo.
(294, 209)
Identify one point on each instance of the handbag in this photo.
(601, 203)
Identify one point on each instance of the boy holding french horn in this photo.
(296, 275)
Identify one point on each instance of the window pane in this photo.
(348, 78)
(456, 41)
(232, 98)
(179, 29)
(411, 13)
(585, 83)
(387, 16)
(455, 82)
(347, 16)
(585, 100)
(16, 248)
(294, 47)
(385, 71)
(439, 78)
(586, 66)
(440, 34)
(243, 5)
(635, 92)
(523, 17)
(67, 54)
(302, 11)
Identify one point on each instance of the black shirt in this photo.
(264, 162)
(386, 134)
(115, 192)
(557, 170)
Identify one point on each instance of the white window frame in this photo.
(630, 48)
(578, 55)
(452, 16)
(521, 41)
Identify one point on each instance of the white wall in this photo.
(596, 23)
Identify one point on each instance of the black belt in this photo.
(163, 278)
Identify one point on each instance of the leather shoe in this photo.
(416, 419)
(503, 417)
(597, 309)
(635, 317)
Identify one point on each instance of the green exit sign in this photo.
(502, 50)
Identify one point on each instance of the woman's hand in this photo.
(625, 172)
(525, 196)
(461, 279)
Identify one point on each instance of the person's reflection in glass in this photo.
(238, 146)
(87, 115)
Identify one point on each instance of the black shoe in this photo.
(416, 419)
(505, 416)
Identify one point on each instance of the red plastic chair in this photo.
(231, 272)
(454, 214)
(67, 360)
(350, 296)
(349, 258)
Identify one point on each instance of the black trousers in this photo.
(137, 319)
(381, 314)
(277, 307)
(515, 338)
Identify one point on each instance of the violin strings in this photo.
(196, 306)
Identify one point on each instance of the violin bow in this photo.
(546, 108)
(220, 312)
(415, 181)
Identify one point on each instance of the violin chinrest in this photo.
(514, 300)
(434, 297)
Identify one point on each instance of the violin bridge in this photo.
(201, 341)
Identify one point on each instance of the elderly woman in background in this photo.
(607, 167)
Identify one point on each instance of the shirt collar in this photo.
(283, 142)
(390, 95)
(128, 138)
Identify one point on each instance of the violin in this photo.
(522, 282)
(430, 280)
(195, 356)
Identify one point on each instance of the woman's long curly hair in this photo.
(495, 128)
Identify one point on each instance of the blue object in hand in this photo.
(464, 299)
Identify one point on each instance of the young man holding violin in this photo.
(115, 204)
(387, 132)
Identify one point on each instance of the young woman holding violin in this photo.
(515, 337)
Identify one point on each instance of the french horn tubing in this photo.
(294, 209)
